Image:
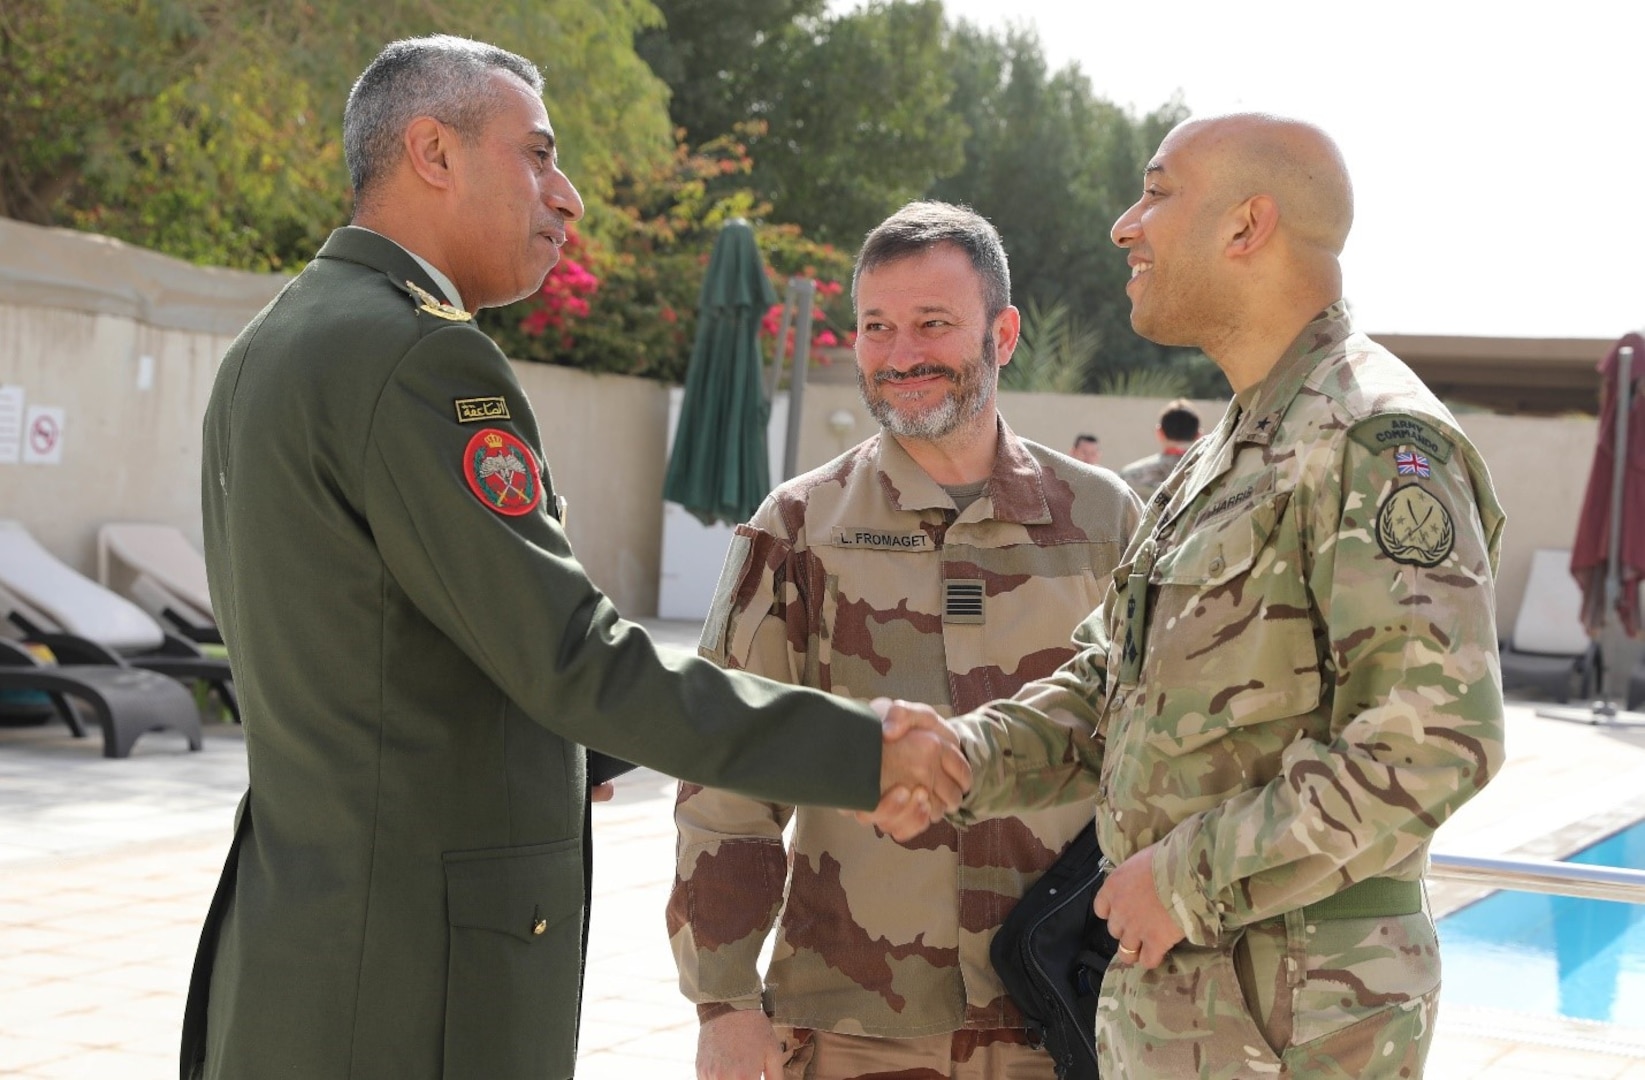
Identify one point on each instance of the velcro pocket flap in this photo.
(1223, 550)
(521, 891)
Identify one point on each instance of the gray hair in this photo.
(920, 226)
(446, 77)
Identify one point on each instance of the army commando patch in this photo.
(472, 410)
(502, 472)
(1414, 528)
(1397, 429)
(427, 301)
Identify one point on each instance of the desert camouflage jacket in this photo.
(859, 578)
(1296, 680)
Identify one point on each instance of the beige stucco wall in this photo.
(1540, 468)
(133, 454)
(605, 438)
(128, 454)
(1539, 465)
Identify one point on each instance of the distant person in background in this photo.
(1177, 430)
(1086, 449)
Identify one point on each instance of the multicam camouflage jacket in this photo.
(859, 578)
(1145, 475)
(1296, 680)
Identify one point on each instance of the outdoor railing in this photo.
(1537, 875)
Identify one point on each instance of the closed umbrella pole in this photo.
(781, 350)
(1619, 472)
(800, 291)
(719, 469)
(1608, 553)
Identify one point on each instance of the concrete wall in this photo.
(133, 453)
(605, 438)
(131, 448)
(128, 454)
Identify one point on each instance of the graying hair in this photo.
(921, 226)
(446, 77)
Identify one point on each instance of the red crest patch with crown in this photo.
(502, 472)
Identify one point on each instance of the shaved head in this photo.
(1294, 163)
(1236, 241)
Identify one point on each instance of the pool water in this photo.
(1553, 955)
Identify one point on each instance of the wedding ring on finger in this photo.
(1128, 952)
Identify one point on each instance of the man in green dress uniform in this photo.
(420, 658)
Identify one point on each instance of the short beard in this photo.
(973, 390)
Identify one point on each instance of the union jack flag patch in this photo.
(1411, 464)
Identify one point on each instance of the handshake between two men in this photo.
(925, 774)
(923, 771)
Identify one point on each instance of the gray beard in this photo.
(963, 404)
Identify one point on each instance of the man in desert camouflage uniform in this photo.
(1296, 680)
(1177, 429)
(944, 559)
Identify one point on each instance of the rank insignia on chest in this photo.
(1414, 527)
(502, 472)
(962, 601)
(427, 301)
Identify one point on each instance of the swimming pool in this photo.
(1553, 955)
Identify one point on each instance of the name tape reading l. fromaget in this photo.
(880, 540)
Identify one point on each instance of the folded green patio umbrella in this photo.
(718, 469)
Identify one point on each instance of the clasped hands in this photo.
(923, 771)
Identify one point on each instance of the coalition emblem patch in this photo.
(502, 472)
(1414, 528)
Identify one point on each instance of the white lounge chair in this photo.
(158, 569)
(50, 602)
(42, 590)
(1549, 651)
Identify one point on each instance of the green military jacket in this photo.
(1145, 475)
(420, 661)
(1296, 679)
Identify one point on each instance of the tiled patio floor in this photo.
(106, 868)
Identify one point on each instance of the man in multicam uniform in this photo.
(1177, 429)
(944, 559)
(1296, 680)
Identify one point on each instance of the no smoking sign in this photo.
(43, 436)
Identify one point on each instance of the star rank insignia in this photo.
(427, 301)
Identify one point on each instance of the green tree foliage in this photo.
(870, 107)
(211, 129)
(624, 297)
(856, 105)
(715, 55)
(1055, 352)
(1052, 166)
